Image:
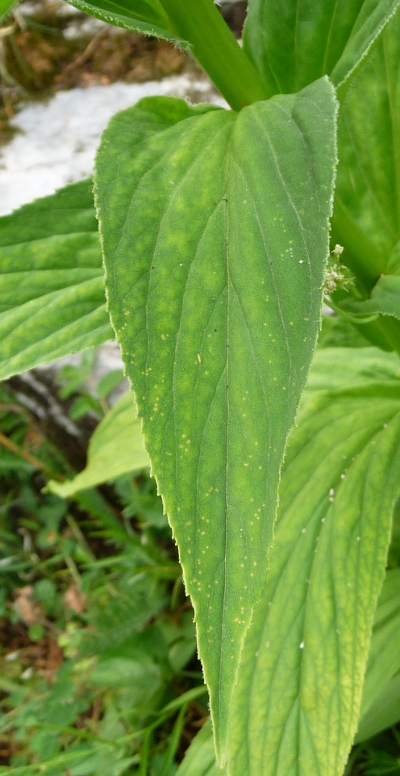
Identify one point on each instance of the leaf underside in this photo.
(215, 229)
(52, 299)
(295, 42)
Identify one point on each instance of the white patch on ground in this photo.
(57, 141)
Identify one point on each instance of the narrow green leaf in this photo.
(366, 219)
(294, 42)
(52, 299)
(299, 688)
(145, 16)
(115, 448)
(200, 757)
(215, 228)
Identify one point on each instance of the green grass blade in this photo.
(215, 230)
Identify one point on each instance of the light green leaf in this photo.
(215, 235)
(115, 448)
(298, 695)
(200, 757)
(366, 216)
(145, 16)
(383, 660)
(52, 300)
(294, 42)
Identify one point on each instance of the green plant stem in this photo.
(217, 50)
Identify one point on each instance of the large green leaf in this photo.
(298, 695)
(52, 300)
(294, 42)
(366, 219)
(215, 235)
(145, 16)
(115, 448)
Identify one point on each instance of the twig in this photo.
(86, 54)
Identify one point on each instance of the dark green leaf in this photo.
(214, 229)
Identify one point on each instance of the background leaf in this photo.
(380, 706)
(210, 219)
(299, 690)
(200, 757)
(366, 215)
(115, 448)
(295, 42)
(335, 368)
(52, 299)
(384, 300)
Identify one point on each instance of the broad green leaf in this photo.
(383, 659)
(200, 757)
(294, 42)
(214, 228)
(115, 448)
(145, 16)
(52, 300)
(366, 219)
(298, 695)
